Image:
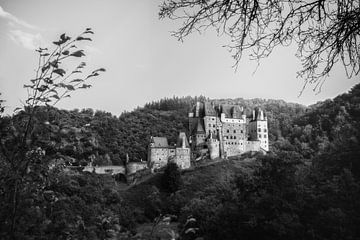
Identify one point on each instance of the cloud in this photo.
(27, 40)
(14, 20)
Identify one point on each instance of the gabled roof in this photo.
(160, 142)
(200, 126)
(231, 111)
(209, 109)
(182, 140)
(236, 112)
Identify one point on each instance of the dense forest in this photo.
(81, 135)
(307, 187)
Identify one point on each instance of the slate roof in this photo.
(209, 109)
(160, 142)
(231, 111)
(257, 114)
(200, 126)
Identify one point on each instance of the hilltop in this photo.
(305, 188)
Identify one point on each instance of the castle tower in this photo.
(258, 129)
(158, 152)
(213, 146)
(182, 152)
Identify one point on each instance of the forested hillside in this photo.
(307, 187)
(81, 134)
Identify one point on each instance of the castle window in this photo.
(231, 137)
(265, 136)
(234, 137)
(209, 125)
(228, 131)
(259, 130)
(213, 125)
(242, 131)
(265, 130)
(234, 131)
(259, 135)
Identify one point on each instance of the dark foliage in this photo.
(171, 178)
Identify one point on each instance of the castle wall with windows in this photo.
(234, 131)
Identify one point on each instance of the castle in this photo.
(160, 152)
(219, 131)
(225, 130)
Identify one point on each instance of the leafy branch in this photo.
(24, 157)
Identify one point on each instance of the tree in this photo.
(325, 31)
(171, 179)
(24, 163)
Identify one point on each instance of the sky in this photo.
(144, 62)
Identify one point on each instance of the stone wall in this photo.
(252, 146)
(214, 149)
(182, 158)
(158, 157)
(133, 167)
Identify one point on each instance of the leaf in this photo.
(76, 71)
(82, 65)
(92, 75)
(54, 64)
(46, 67)
(42, 88)
(70, 87)
(28, 86)
(89, 30)
(78, 53)
(66, 52)
(57, 43)
(100, 70)
(67, 96)
(55, 96)
(62, 85)
(77, 80)
(85, 86)
(60, 71)
(83, 38)
(45, 54)
(48, 80)
(17, 109)
(64, 38)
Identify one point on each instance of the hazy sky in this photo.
(143, 61)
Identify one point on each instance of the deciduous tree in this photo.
(325, 31)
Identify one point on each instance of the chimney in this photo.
(197, 110)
